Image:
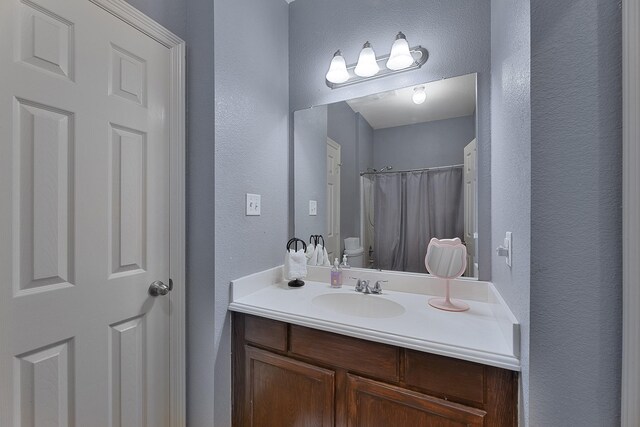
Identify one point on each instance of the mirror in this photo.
(381, 175)
(446, 259)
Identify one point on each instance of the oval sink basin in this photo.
(361, 305)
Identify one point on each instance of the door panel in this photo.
(128, 159)
(44, 146)
(45, 396)
(127, 373)
(84, 155)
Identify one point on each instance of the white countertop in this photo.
(488, 333)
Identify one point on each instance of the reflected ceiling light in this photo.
(338, 69)
(419, 95)
(400, 56)
(367, 63)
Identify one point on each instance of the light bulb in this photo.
(338, 69)
(367, 65)
(419, 95)
(400, 56)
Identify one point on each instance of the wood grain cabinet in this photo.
(288, 376)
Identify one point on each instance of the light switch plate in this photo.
(253, 204)
(313, 207)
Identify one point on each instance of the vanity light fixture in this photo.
(338, 69)
(367, 65)
(402, 58)
(419, 95)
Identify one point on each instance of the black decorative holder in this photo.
(315, 238)
(296, 283)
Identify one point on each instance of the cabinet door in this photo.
(284, 392)
(375, 404)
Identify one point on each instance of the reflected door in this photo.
(470, 211)
(333, 200)
(84, 222)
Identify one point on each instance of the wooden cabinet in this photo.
(285, 392)
(375, 404)
(289, 375)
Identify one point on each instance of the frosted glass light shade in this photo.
(338, 69)
(367, 65)
(419, 95)
(400, 56)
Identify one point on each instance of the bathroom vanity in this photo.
(316, 356)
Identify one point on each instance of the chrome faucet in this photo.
(377, 288)
(363, 286)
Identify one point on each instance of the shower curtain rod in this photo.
(412, 170)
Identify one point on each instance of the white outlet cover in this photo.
(313, 207)
(253, 204)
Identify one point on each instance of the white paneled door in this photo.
(470, 203)
(84, 218)
(333, 199)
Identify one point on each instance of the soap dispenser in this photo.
(345, 264)
(336, 275)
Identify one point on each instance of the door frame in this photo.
(177, 48)
(630, 387)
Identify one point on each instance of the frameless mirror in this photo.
(446, 258)
(381, 175)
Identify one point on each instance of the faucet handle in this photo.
(377, 288)
(361, 284)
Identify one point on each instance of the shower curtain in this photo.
(410, 209)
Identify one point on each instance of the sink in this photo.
(361, 305)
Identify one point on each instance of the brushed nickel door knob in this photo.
(158, 288)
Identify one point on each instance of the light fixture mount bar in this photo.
(419, 53)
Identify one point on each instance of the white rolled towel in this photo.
(319, 255)
(309, 253)
(295, 264)
(325, 258)
(314, 256)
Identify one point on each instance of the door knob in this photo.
(158, 288)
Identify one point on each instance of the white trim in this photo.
(177, 47)
(630, 410)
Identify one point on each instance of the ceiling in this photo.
(446, 99)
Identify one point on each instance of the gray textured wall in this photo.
(511, 165)
(576, 111)
(310, 183)
(251, 156)
(423, 145)
(365, 144)
(200, 213)
(192, 20)
(455, 32)
(172, 14)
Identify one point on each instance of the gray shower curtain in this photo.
(412, 207)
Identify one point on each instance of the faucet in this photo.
(363, 286)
